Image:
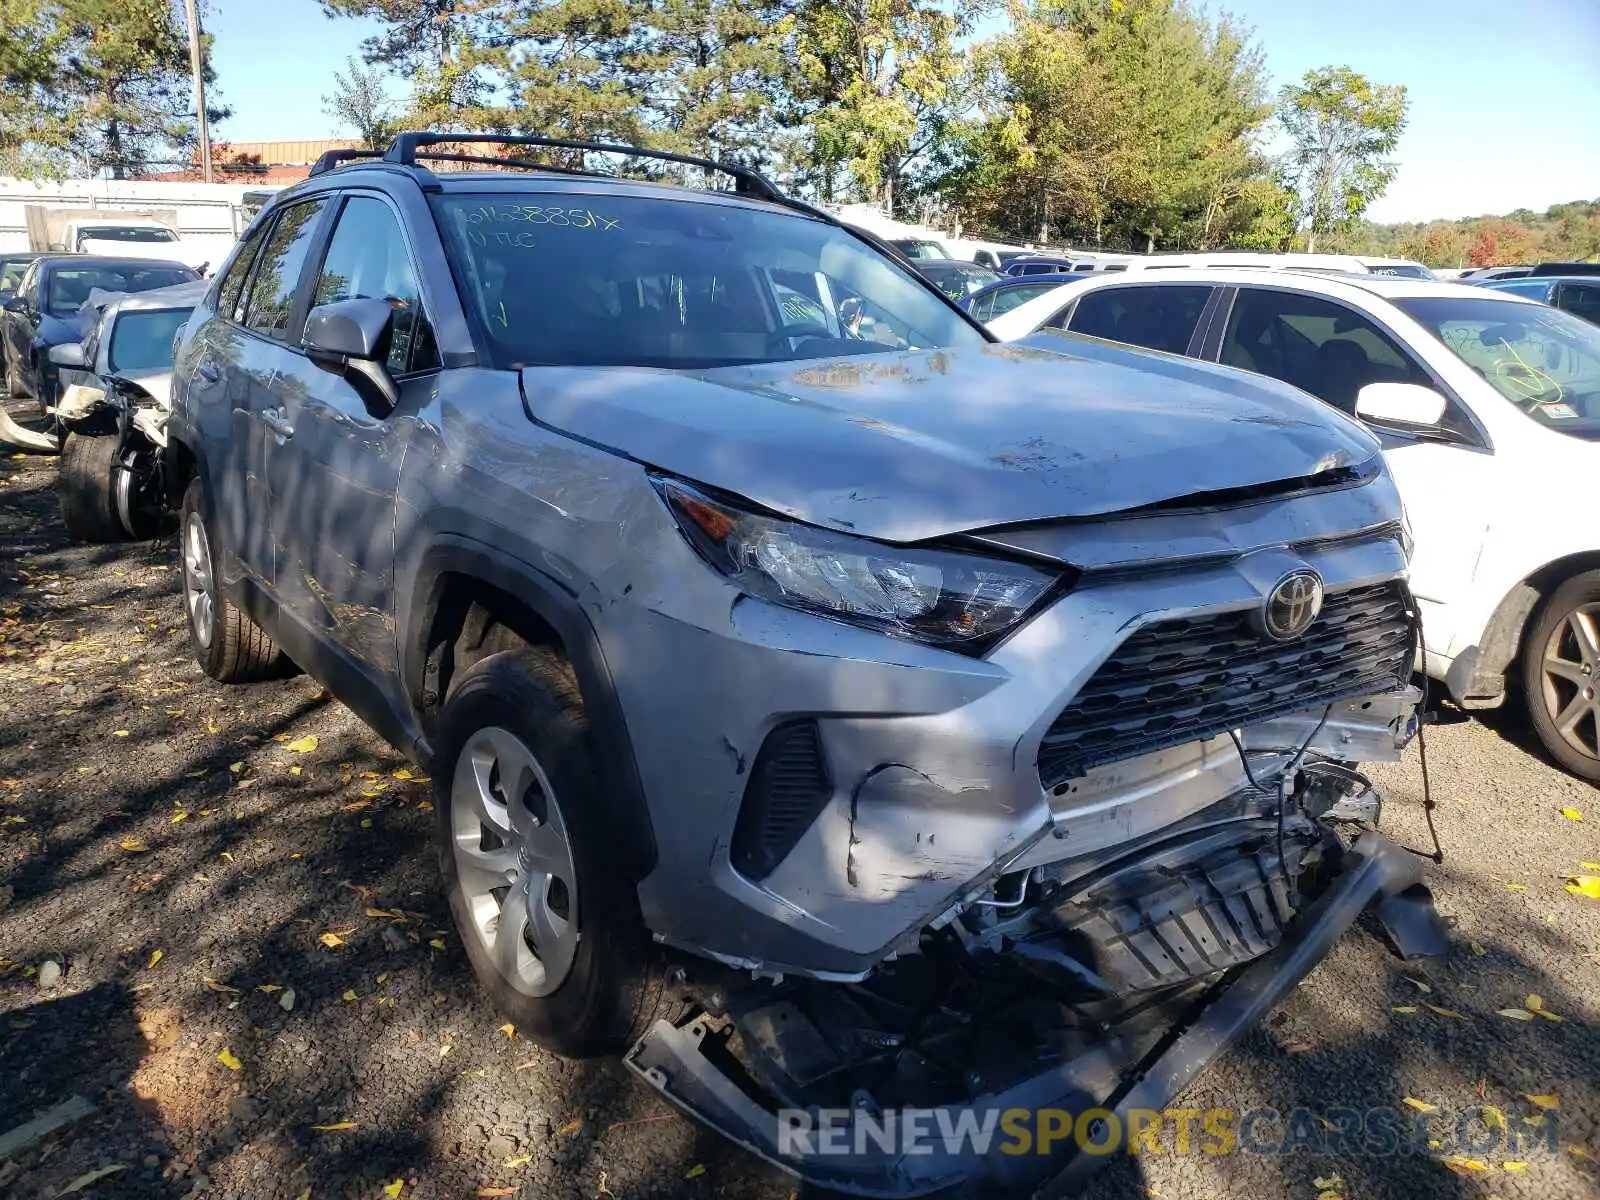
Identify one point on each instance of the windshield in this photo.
(914, 248)
(69, 287)
(142, 341)
(957, 281)
(601, 280)
(126, 233)
(1402, 270)
(1541, 359)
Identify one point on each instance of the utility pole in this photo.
(199, 89)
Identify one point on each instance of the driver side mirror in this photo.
(351, 338)
(16, 304)
(1402, 405)
(67, 354)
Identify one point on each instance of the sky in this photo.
(1505, 94)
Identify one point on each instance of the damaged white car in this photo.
(113, 410)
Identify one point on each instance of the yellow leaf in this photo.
(1513, 1166)
(1477, 949)
(1493, 1118)
(1585, 885)
(1580, 1152)
(219, 987)
(1419, 985)
(1517, 887)
(1547, 1015)
(294, 770)
(486, 1193)
(571, 1126)
(1323, 1185)
(155, 957)
(226, 1058)
(236, 767)
(509, 1029)
(1445, 1012)
(269, 988)
(303, 745)
(1533, 1122)
(1516, 1014)
(695, 1171)
(179, 817)
(436, 943)
(519, 1160)
(382, 977)
(1405, 1008)
(394, 1189)
(444, 1050)
(1460, 1162)
(366, 822)
(349, 995)
(1534, 1002)
(133, 845)
(119, 733)
(1546, 1100)
(227, 855)
(1572, 814)
(1422, 1106)
(404, 773)
(336, 1127)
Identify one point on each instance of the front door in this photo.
(335, 470)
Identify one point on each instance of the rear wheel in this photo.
(89, 485)
(1561, 675)
(15, 388)
(229, 646)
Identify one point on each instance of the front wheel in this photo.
(1561, 675)
(550, 925)
(88, 487)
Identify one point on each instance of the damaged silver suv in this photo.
(828, 707)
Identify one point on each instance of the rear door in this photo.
(258, 357)
(335, 466)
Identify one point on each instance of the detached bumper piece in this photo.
(842, 1047)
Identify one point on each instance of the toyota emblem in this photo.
(1292, 605)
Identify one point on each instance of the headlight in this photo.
(959, 601)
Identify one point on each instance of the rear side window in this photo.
(1157, 317)
(1581, 300)
(368, 259)
(277, 277)
(231, 290)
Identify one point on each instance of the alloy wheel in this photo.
(513, 861)
(199, 583)
(1571, 677)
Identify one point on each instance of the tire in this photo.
(1561, 675)
(14, 385)
(515, 783)
(88, 486)
(229, 646)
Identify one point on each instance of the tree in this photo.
(1343, 128)
(416, 34)
(358, 100)
(34, 131)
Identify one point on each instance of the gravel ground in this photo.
(189, 857)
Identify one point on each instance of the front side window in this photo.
(1006, 299)
(1318, 346)
(277, 276)
(580, 279)
(1157, 317)
(142, 340)
(68, 287)
(1543, 360)
(368, 259)
(230, 292)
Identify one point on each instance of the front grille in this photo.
(789, 786)
(1188, 679)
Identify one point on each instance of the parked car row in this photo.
(1488, 407)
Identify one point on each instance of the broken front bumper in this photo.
(1122, 1074)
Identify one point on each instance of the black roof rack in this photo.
(329, 159)
(403, 150)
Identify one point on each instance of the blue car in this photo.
(1006, 294)
(1577, 294)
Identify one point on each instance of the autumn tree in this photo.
(1343, 129)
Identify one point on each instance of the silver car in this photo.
(828, 707)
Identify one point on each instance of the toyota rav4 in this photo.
(827, 706)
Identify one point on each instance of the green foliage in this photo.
(358, 100)
(1563, 232)
(1343, 128)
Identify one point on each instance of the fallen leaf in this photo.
(1513, 1166)
(394, 1189)
(336, 1127)
(84, 1180)
(1572, 814)
(133, 845)
(303, 745)
(1517, 887)
(119, 733)
(1580, 1152)
(382, 977)
(1546, 1100)
(330, 940)
(1547, 1015)
(1460, 1163)
(571, 1126)
(294, 770)
(349, 995)
(520, 1160)
(366, 822)
(1405, 1008)
(179, 817)
(1589, 866)
(226, 1058)
(1534, 1002)
(436, 943)
(1419, 985)
(1534, 1122)
(1445, 1012)
(1325, 1184)
(236, 767)
(269, 988)
(445, 1050)
(1422, 1106)
(509, 1030)
(219, 987)
(1516, 1014)
(1477, 949)
(496, 1191)
(155, 957)
(695, 1171)
(1493, 1118)
(1585, 885)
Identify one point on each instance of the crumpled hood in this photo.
(155, 384)
(914, 445)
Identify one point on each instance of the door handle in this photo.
(208, 371)
(275, 420)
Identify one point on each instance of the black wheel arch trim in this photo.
(557, 606)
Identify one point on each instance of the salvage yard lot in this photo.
(190, 853)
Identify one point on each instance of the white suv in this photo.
(1488, 407)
